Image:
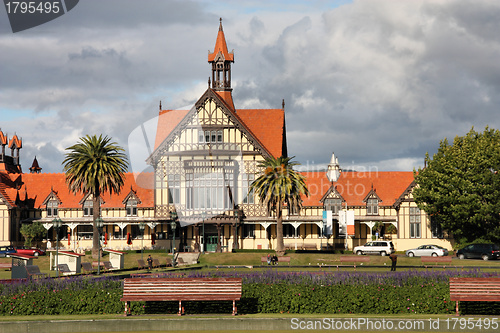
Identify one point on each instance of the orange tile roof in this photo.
(167, 121)
(267, 125)
(355, 186)
(40, 185)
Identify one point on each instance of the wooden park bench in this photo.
(87, 267)
(105, 265)
(64, 268)
(474, 289)
(169, 262)
(5, 265)
(141, 264)
(354, 259)
(284, 259)
(436, 260)
(181, 289)
(156, 263)
(34, 271)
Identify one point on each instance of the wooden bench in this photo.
(105, 265)
(435, 260)
(64, 268)
(34, 271)
(284, 259)
(181, 289)
(5, 265)
(474, 289)
(87, 267)
(354, 259)
(156, 263)
(169, 262)
(141, 264)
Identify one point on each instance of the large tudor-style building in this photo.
(204, 161)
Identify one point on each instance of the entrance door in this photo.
(211, 243)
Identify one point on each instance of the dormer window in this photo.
(372, 206)
(333, 204)
(88, 208)
(131, 207)
(52, 206)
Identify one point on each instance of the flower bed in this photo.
(263, 292)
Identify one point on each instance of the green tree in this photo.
(278, 185)
(460, 186)
(31, 231)
(94, 166)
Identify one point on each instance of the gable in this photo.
(181, 130)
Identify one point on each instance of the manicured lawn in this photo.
(313, 261)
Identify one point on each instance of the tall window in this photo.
(372, 206)
(214, 190)
(52, 206)
(88, 208)
(174, 189)
(415, 225)
(131, 207)
(248, 195)
(333, 204)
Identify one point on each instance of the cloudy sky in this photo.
(378, 82)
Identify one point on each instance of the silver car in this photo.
(427, 251)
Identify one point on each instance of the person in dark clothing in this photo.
(150, 262)
(274, 260)
(394, 259)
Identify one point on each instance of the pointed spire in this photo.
(333, 172)
(35, 168)
(221, 47)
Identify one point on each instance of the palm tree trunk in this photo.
(95, 233)
(280, 245)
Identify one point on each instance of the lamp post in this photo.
(142, 226)
(57, 223)
(173, 226)
(203, 217)
(333, 174)
(99, 223)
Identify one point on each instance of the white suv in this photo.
(376, 247)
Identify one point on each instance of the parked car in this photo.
(376, 247)
(482, 251)
(31, 251)
(427, 250)
(6, 250)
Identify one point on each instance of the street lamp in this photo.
(142, 226)
(333, 174)
(99, 223)
(57, 223)
(173, 226)
(203, 217)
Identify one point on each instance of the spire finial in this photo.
(220, 24)
(160, 105)
(283, 104)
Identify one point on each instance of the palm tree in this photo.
(94, 166)
(278, 185)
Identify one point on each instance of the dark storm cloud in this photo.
(379, 82)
